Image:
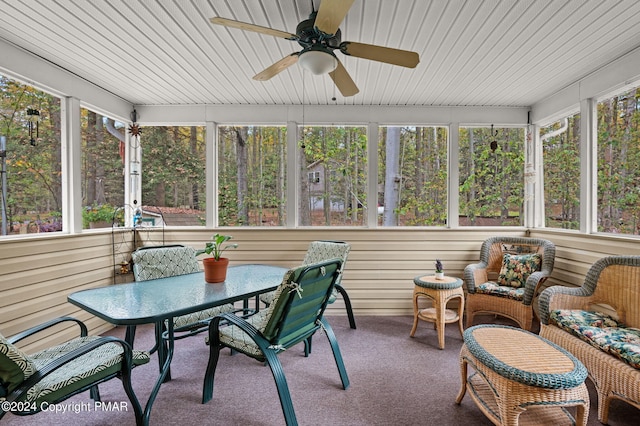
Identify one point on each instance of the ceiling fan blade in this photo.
(277, 68)
(331, 13)
(343, 81)
(403, 58)
(250, 27)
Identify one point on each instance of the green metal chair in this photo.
(155, 262)
(31, 382)
(319, 251)
(293, 317)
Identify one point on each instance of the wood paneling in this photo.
(472, 53)
(37, 274)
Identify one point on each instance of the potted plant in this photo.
(215, 267)
(102, 216)
(439, 270)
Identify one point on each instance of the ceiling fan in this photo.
(319, 37)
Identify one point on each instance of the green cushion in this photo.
(516, 268)
(160, 262)
(15, 366)
(82, 371)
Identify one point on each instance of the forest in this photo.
(252, 170)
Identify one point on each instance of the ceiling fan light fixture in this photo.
(318, 61)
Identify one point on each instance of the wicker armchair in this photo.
(610, 300)
(487, 294)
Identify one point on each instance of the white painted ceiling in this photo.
(472, 52)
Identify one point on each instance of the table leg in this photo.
(165, 355)
(415, 314)
(582, 413)
(461, 315)
(463, 377)
(161, 346)
(441, 307)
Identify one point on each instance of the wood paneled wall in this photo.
(37, 274)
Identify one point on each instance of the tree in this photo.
(392, 179)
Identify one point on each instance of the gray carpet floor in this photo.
(395, 380)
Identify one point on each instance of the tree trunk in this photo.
(420, 164)
(55, 117)
(194, 198)
(392, 177)
(241, 162)
(100, 176)
(303, 207)
(281, 188)
(90, 159)
(472, 188)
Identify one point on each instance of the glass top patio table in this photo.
(154, 301)
(151, 301)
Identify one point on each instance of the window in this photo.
(491, 176)
(251, 175)
(337, 157)
(173, 175)
(412, 177)
(561, 162)
(618, 208)
(102, 170)
(31, 202)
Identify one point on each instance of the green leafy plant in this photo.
(216, 246)
(438, 266)
(102, 213)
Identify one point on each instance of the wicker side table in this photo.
(521, 378)
(440, 291)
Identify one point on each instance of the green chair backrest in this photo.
(163, 261)
(299, 302)
(319, 251)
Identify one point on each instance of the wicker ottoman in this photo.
(440, 291)
(521, 378)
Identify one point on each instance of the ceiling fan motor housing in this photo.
(308, 35)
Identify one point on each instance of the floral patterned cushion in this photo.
(575, 319)
(15, 366)
(601, 331)
(494, 289)
(624, 343)
(516, 268)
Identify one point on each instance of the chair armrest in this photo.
(533, 283)
(38, 328)
(561, 297)
(254, 333)
(127, 363)
(475, 273)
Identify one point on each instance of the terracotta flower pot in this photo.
(215, 271)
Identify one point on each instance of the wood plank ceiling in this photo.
(472, 52)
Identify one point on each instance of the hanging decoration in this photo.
(303, 144)
(529, 167)
(33, 118)
(134, 168)
(134, 128)
(494, 142)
